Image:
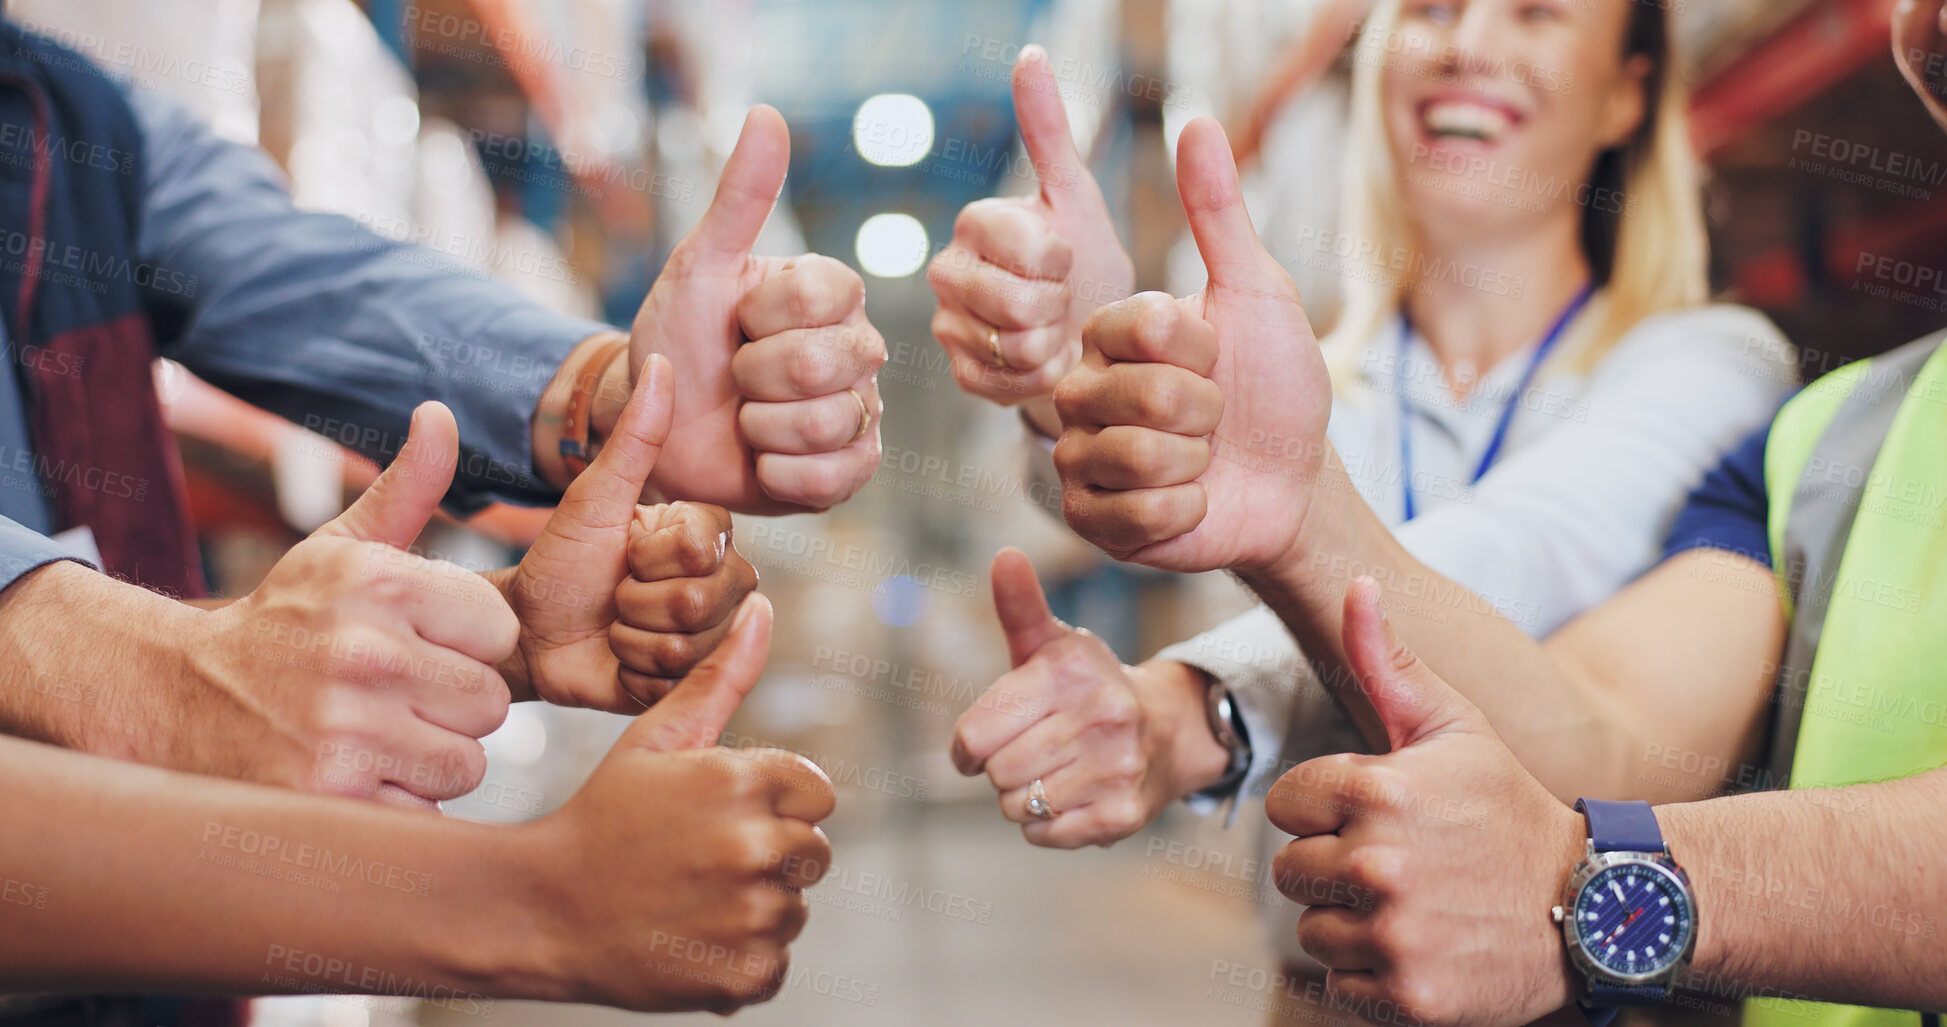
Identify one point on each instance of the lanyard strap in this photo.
(1575, 305)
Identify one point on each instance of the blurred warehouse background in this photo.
(563, 146)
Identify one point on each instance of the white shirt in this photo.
(1593, 469)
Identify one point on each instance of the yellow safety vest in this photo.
(1856, 467)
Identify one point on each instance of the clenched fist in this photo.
(1194, 428)
(1430, 870)
(616, 600)
(1112, 745)
(777, 399)
(357, 668)
(675, 878)
(1023, 274)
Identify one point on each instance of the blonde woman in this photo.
(1527, 380)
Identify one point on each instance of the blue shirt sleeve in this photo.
(23, 550)
(1730, 510)
(337, 328)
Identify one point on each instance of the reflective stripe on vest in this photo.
(1856, 467)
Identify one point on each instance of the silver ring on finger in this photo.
(1038, 804)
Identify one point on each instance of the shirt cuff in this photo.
(1264, 672)
(23, 551)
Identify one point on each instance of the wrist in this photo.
(102, 666)
(535, 951)
(1565, 842)
(1172, 696)
(552, 414)
(512, 951)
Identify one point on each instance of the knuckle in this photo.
(693, 607)
(1375, 870)
(1158, 399)
(1071, 396)
(1417, 998)
(822, 426)
(1069, 455)
(806, 367)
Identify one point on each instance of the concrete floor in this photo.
(1131, 935)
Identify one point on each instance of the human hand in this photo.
(1920, 49)
(1112, 745)
(777, 399)
(1029, 269)
(1430, 871)
(357, 668)
(616, 600)
(1195, 428)
(674, 879)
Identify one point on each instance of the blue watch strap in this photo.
(1621, 826)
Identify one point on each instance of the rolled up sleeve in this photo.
(322, 321)
(23, 551)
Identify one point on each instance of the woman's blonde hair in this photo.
(1642, 219)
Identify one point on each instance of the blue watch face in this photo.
(1634, 919)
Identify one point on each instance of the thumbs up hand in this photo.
(1430, 871)
(777, 401)
(1112, 745)
(356, 668)
(1194, 428)
(715, 848)
(1023, 274)
(615, 600)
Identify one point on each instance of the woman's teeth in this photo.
(1466, 121)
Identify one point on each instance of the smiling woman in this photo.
(1476, 120)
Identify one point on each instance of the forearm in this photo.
(93, 663)
(144, 879)
(1830, 894)
(1566, 732)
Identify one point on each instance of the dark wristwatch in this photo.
(1628, 914)
(1229, 732)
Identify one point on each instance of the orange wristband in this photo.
(575, 423)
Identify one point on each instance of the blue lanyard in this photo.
(1507, 412)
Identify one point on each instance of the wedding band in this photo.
(994, 347)
(865, 416)
(1038, 804)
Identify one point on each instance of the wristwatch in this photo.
(1224, 726)
(1628, 914)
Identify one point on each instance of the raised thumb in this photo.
(1213, 201)
(1023, 609)
(1407, 701)
(748, 189)
(1044, 129)
(398, 505)
(695, 712)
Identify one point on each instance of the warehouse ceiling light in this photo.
(892, 245)
(893, 130)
